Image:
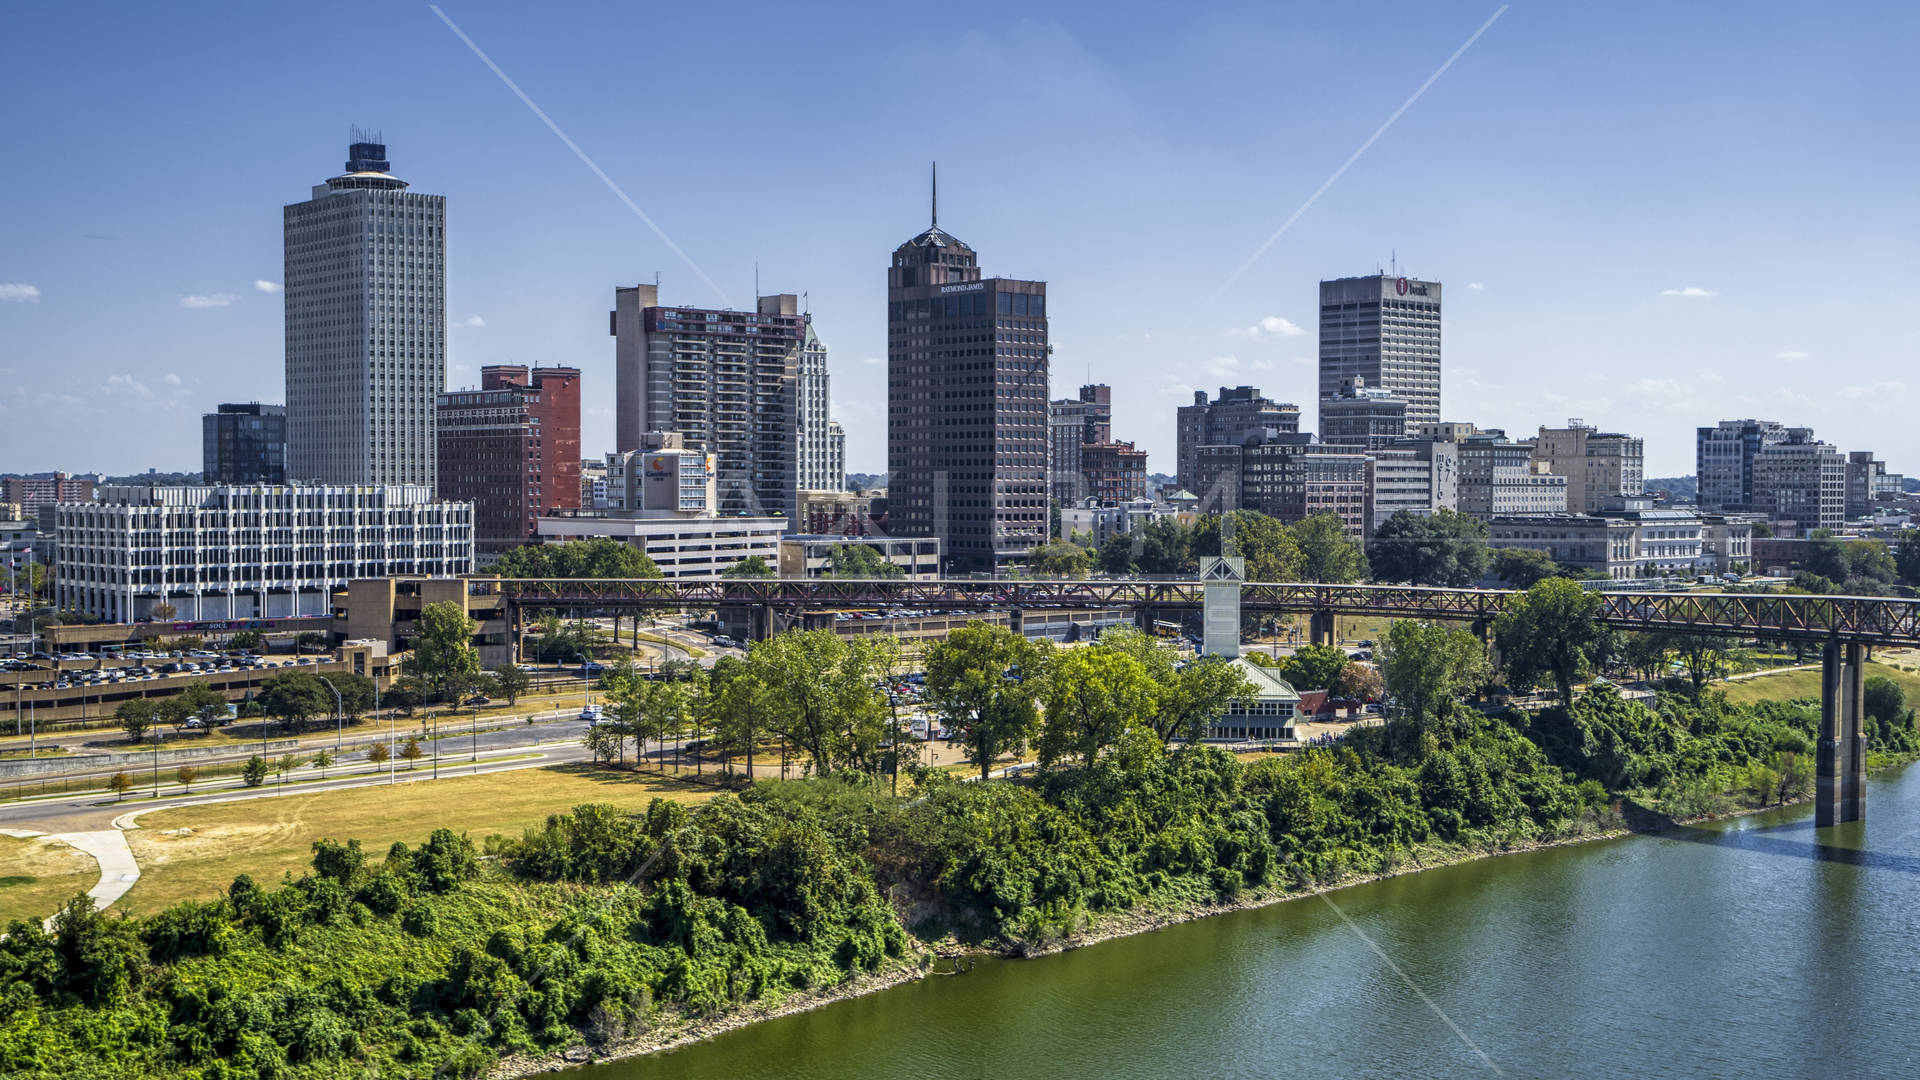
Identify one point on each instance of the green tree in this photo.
(120, 783)
(311, 641)
(735, 701)
(405, 693)
(1445, 549)
(1645, 654)
(823, 695)
(1522, 568)
(984, 681)
(512, 680)
(1269, 547)
(1060, 559)
(599, 557)
(323, 761)
(1314, 667)
(294, 698)
(203, 701)
(860, 561)
(1117, 556)
(285, 764)
(1906, 560)
(1093, 697)
(135, 717)
(443, 656)
(247, 641)
(1359, 681)
(1550, 630)
(753, 566)
(1197, 694)
(378, 753)
(410, 752)
(255, 772)
(162, 612)
(1702, 656)
(1884, 700)
(186, 774)
(1328, 552)
(1426, 667)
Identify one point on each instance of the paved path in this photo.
(118, 870)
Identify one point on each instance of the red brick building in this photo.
(34, 492)
(512, 448)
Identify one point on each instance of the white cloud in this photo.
(1792, 354)
(1691, 292)
(1713, 377)
(1271, 326)
(19, 293)
(1476, 286)
(209, 301)
(1884, 391)
(1221, 367)
(171, 379)
(473, 320)
(874, 360)
(266, 286)
(127, 386)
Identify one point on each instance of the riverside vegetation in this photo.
(603, 925)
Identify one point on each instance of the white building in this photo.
(258, 551)
(682, 547)
(810, 555)
(1101, 522)
(815, 433)
(1420, 476)
(366, 326)
(1268, 716)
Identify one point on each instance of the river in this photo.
(1751, 947)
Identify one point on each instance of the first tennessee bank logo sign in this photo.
(1408, 288)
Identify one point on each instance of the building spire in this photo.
(936, 194)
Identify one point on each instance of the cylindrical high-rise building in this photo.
(366, 326)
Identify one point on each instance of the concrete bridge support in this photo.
(1320, 627)
(1840, 792)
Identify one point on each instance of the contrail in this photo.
(1347, 164)
(582, 155)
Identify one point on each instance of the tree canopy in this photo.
(1059, 559)
(1550, 631)
(598, 557)
(443, 655)
(1314, 667)
(1445, 549)
(984, 682)
(753, 566)
(1522, 568)
(860, 561)
(1328, 553)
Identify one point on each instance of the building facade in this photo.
(967, 363)
(1628, 540)
(664, 479)
(1419, 476)
(1801, 479)
(1499, 478)
(1601, 467)
(1385, 330)
(1073, 423)
(1226, 421)
(261, 551)
(808, 555)
(1362, 416)
(681, 546)
(1289, 477)
(366, 327)
(30, 493)
(821, 449)
(1869, 484)
(512, 449)
(726, 381)
(1114, 472)
(244, 444)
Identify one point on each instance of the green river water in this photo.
(1748, 948)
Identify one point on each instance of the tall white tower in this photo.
(366, 325)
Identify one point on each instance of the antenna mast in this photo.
(936, 193)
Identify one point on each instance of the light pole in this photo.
(339, 711)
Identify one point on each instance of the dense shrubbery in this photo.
(434, 960)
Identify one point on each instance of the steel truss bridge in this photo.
(1861, 620)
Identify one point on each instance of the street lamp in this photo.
(339, 710)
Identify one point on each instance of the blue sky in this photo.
(1651, 216)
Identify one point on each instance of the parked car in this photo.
(592, 713)
(478, 699)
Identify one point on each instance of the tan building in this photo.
(386, 609)
(1600, 466)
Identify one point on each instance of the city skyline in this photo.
(1693, 169)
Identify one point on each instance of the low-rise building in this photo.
(1727, 539)
(811, 556)
(387, 610)
(1627, 540)
(1099, 522)
(680, 546)
(1600, 466)
(1419, 476)
(1268, 716)
(261, 551)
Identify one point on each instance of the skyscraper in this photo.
(726, 381)
(366, 325)
(966, 403)
(1386, 330)
(244, 444)
(813, 433)
(1238, 413)
(512, 449)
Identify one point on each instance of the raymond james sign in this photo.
(972, 286)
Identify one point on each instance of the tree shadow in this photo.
(615, 775)
(1774, 840)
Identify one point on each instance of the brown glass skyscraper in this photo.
(966, 403)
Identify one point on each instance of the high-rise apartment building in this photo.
(30, 493)
(244, 444)
(1601, 467)
(1763, 467)
(813, 427)
(1385, 330)
(1226, 421)
(366, 326)
(726, 381)
(967, 362)
(512, 449)
(1363, 416)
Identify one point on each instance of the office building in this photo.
(1627, 540)
(1226, 421)
(1601, 467)
(682, 546)
(1290, 477)
(366, 326)
(1499, 478)
(1113, 472)
(1419, 476)
(1385, 330)
(260, 551)
(1869, 484)
(664, 478)
(1071, 424)
(244, 444)
(810, 555)
(967, 361)
(30, 493)
(820, 464)
(836, 457)
(1099, 522)
(726, 381)
(1362, 416)
(1727, 540)
(1801, 479)
(512, 449)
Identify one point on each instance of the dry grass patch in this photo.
(38, 875)
(195, 852)
(1805, 683)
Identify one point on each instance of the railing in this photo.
(1870, 620)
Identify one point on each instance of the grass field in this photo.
(1805, 683)
(195, 852)
(40, 874)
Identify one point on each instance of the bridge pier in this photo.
(1840, 784)
(1320, 627)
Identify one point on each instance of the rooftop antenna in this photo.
(756, 278)
(1395, 263)
(656, 279)
(936, 194)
